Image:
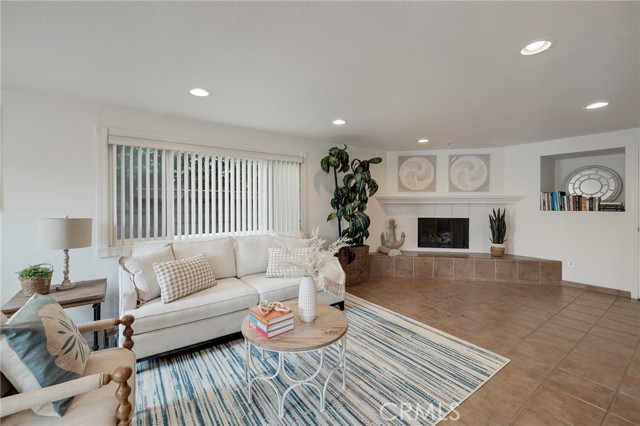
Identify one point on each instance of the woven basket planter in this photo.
(39, 284)
(357, 271)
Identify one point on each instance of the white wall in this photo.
(602, 244)
(49, 159)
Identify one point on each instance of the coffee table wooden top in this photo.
(86, 292)
(328, 327)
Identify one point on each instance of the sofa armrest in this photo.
(26, 400)
(128, 296)
(126, 321)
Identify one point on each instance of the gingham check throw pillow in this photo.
(277, 266)
(180, 278)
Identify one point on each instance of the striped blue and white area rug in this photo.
(399, 372)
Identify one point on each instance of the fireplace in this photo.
(443, 232)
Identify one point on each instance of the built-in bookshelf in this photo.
(561, 202)
(583, 181)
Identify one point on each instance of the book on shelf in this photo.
(270, 318)
(271, 334)
(272, 327)
(611, 207)
(560, 201)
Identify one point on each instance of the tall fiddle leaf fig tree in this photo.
(350, 200)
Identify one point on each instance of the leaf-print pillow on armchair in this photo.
(40, 347)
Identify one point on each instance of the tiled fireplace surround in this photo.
(451, 264)
(468, 266)
(473, 264)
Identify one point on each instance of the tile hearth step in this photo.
(468, 266)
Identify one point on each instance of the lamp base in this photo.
(66, 286)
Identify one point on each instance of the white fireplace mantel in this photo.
(449, 199)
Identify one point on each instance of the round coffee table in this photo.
(329, 327)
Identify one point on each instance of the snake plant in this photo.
(498, 226)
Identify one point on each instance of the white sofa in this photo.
(239, 264)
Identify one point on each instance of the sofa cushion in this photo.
(292, 234)
(219, 251)
(140, 268)
(273, 289)
(229, 295)
(41, 347)
(252, 253)
(180, 278)
(97, 407)
(293, 243)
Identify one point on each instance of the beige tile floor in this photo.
(575, 354)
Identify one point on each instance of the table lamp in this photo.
(64, 233)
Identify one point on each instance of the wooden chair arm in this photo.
(106, 324)
(100, 325)
(26, 400)
(120, 376)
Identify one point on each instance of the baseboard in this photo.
(597, 289)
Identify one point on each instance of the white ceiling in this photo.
(447, 71)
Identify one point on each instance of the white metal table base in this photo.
(252, 375)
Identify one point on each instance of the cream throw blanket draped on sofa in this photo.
(331, 278)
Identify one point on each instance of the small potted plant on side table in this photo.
(498, 226)
(36, 279)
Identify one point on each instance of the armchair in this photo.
(105, 395)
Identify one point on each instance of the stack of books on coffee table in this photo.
(272, 324)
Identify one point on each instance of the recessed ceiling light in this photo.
(339, 121)
(423, 140)
(597, 105)
(535, 47)
(452, 143)
(199, 92)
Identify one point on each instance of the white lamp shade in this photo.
(64, 233)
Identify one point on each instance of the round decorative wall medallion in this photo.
(416, 173)
(594, 181)
(468, 173)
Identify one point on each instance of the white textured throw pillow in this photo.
(141, 270)
(180, 278)
(277, 266)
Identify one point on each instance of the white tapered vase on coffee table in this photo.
(307, 299)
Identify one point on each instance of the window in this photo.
(172, 191)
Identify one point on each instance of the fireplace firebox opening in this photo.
(443, 232)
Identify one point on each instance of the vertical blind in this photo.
(161, 193)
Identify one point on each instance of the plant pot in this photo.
(32, 285)
(357, 272)
(497, 250)
(36, 279)
(307, 299)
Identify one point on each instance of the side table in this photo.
(90, 292)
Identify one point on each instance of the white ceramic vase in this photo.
(307, 299)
